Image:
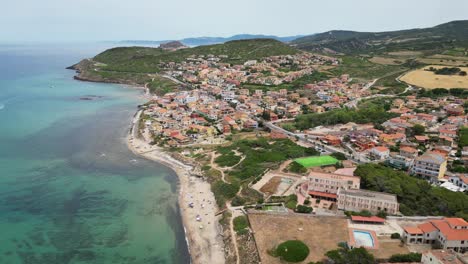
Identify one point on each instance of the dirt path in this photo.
(228, 203)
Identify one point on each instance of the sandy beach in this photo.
(196, 201)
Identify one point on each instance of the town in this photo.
(219, 103)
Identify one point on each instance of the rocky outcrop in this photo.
(173, 45)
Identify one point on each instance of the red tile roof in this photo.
(413, 230)
(427, 227)
(449, 232)
(373, 219)
(323, 194)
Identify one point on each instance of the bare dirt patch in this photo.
(320, 234)
(429, 80)
(389, 247)
(271, 186)
(405, 53)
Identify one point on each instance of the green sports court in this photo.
(316, 161)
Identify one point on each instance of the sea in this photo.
(70, 190)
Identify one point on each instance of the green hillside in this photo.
(435, 39)
(147, 60)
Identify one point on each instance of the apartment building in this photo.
(358, 200)
(326, 185)
(430, 166)
(447, 233)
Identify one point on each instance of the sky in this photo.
(113, 20)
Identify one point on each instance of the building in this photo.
(408, 152)
(358, 200)
(430, 166)
(331, 140)
(441, 256)
(399, 161)
(460, 180)
(447, 233)
(321, 185)
(380, 153)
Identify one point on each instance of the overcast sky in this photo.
(100, 20)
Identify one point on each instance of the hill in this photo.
(172, 45)
(442, 37)
(139, 65)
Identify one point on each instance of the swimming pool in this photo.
(363, 239)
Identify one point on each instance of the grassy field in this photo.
(362, 68)
(160, 85)
(320, 234)
(309, 162)
(429, 80)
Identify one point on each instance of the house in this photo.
(422, 139)
(446, 233)
(374, 202)
(331, 140)
(460, 180)
(396, 137)
(380, 153)
(408, 152)
(454, 109)
(430, 166)
(440, 256)
(363, 143)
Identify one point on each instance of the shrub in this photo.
(292, 251)
(237, 201)
(303, 209)
(410, 257)
(240, 223)
(296, 168)
(291, 204)
(395, 236)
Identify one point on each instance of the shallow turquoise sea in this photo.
(70, 190)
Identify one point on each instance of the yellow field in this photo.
(429, 80)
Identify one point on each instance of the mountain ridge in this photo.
(454, 33)
(205, 40)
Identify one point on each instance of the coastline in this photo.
(203, 237)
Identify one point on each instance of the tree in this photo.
(344, 255)
(292, 251)
(418, 129)
(338, 156)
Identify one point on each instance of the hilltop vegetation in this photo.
(442, 37)
(368, 112)
(416, 196)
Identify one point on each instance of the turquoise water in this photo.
(70, 190)
(363, 239)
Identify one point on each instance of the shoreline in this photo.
(203, 238)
